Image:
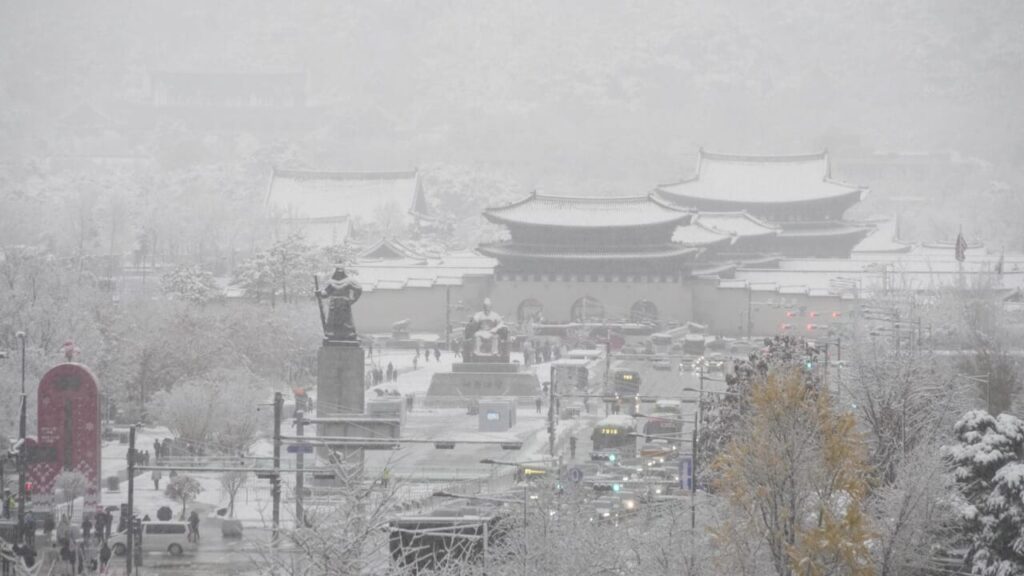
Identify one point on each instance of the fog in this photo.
(561, 287)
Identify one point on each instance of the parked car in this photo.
(170, 537)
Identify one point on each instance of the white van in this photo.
(170, 537)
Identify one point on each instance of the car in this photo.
(170, 537)
(662, 364)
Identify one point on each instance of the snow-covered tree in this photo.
(184, 489)
(190, 282)
(71, 484)
(216, 411)
(988, 464)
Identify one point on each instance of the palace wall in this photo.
(671, 296)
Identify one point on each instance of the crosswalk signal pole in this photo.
(275, 482)
(131, 501)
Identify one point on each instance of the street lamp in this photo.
(22, 431)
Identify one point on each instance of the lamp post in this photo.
(22, 431)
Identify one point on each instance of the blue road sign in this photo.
(576, 474)
(300, 449)
(686, 473)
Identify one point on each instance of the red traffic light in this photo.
(790, 314)
(811, 327)
(837, 314)
(28, 487)
(814, 314)
(783, 327)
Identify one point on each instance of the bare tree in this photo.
(72, 485)
(231, 483)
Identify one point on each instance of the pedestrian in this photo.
(156, 449)
(86, 528)
(416, 360)
(193, 524)
(104, 557)
(98, 524)
(385, 477)
(539, 402)
(437, 353)
(30, 529)
(80, 556)
(67, 556)
(107, 524)
(572, 447)
(391, 372)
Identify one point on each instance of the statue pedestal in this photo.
(340, 390)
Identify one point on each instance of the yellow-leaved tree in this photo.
(795, 475)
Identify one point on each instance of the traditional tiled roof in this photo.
(508, 251)
(697, 235)
(884, 239)
(736, 224)
(301, 194)
(744, 179)
(588, 212)
(824, 230)
(391, 249)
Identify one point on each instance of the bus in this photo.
(665, 419)
(626, 383)
(614, 438)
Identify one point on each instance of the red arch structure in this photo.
(69, 430)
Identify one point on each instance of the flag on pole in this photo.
(961, 247)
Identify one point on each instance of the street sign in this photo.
(686, 473)
(576, 474)
(300, 449)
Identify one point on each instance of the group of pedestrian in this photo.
(535, 352)
(74, 552)
(378, 375)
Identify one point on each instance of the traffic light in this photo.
(790, 314)
(811, 327)
(28, 491)
(611, 457)
(809, 364)
(837, 314)
(813, 314)
(616, 487)
(784, 327)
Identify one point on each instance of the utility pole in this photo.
(131, 501)
(300, 424)
(275, 481)
(22, 452)
(448, 317)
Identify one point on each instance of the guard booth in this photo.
(497, 414)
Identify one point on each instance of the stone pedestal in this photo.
(340, 389)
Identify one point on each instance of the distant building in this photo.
(326, 206)
(591, 259)
(795, 193)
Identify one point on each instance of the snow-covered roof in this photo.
(621, 420)
(761, 179)
(391, 249)
(588, 212)
(302, 194)
(449, 270)
(580, 254)
(735, 224)
(883, 239)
